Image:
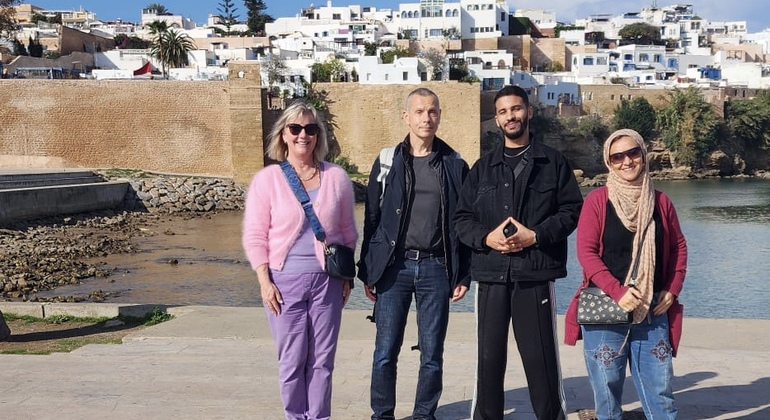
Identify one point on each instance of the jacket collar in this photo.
(497, 153)
(439, 146)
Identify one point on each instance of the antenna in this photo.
(654, 4)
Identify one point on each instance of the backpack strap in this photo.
(386, 162)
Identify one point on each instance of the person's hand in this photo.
(345, 292)
(497, 240)
(459, 292)
(631, 300)
(369, 291)
(523, 238)
(271, 297)
(665, 300)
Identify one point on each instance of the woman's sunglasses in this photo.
(310, 129)
(620, 157)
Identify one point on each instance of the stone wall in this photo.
(164, 126)
(369, 117)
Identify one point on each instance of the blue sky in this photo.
(753, 11)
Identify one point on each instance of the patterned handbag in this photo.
(597, 308)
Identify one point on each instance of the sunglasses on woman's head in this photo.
(620, 157)
(310, 129)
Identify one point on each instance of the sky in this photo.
(754, 12)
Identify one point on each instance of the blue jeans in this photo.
(648, 352)
(427, 280)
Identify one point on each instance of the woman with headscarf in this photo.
(625, 221)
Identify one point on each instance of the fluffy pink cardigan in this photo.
(273, 216)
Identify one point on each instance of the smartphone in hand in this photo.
(509, 229)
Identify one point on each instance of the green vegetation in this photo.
(227, 16)
(640, 33)
(8, 25)
(749, 120)
(256, 18)
(636, 114)
(688, 125)
(391, 55)
(328, 71)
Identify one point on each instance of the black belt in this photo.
(417, 255)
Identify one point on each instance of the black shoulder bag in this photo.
(340, 259)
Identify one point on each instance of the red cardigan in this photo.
(590, 248)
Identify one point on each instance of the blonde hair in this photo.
(276, 147)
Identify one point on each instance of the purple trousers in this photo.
(305, 333)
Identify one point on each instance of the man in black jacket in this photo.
(410, 246)
(517, 207)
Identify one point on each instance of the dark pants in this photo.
(425, 279)
(530, 307)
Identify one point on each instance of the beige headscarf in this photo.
(634, 202)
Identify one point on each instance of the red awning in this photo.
(145, 69)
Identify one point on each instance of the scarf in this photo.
(634, 202)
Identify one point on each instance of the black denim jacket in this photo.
(547, 200)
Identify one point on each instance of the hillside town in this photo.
(470, 40)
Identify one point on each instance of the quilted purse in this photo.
(597, 308)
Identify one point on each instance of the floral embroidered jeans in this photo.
(646, 350)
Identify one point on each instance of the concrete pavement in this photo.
(220, 363)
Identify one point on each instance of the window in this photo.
(551, 95)
(368, 77)
(405, 76)
(644, 58)
(657, 58)
(409, 15)
(588, 61)
(386, 76)
(403, 15)
(628, 57)
(502, 16)
(336, 16)
(436, 33)
(601, 61)
(454, 13)
(612, 97)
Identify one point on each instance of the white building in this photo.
(429, 19)
(491, 67)
(591, 64)
(172, 20)
(484, 18)
(405, 71)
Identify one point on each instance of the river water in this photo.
(726, 223)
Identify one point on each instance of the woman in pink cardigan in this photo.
(303, 304)
(625, 221)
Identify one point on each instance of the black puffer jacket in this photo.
(547, 200)
(384, 226)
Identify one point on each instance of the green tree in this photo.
(255, 17)
(158, 8)
(227, 16)
(391, 55)
(370, 48)
(327, 71)
(8, 24)
(19, 48)
(640, 33)
(123, 41)
(636, 114)
(749, 120)
(688, 125)
(157, 48)
(35, 48)
(458, 69)
(436, 61)
(37, 17)
(593, 127)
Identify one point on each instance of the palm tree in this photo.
(171, 47)
(157, 7)
(157, 29)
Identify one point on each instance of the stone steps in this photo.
(33, 194)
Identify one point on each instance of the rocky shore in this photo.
(47, 253)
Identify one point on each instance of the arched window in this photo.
(409, 15)
(403, 15)
(454, 13)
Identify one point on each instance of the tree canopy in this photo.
(157, 7)
(8, 24)
(688, 125)
(640, 33)
(255, 17)
(227, 16)
(749, 120)
(636, 114)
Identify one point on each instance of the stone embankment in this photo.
(174, 194)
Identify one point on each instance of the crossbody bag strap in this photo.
(304, 200)
(634, 271)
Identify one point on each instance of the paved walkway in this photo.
(220, 363)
